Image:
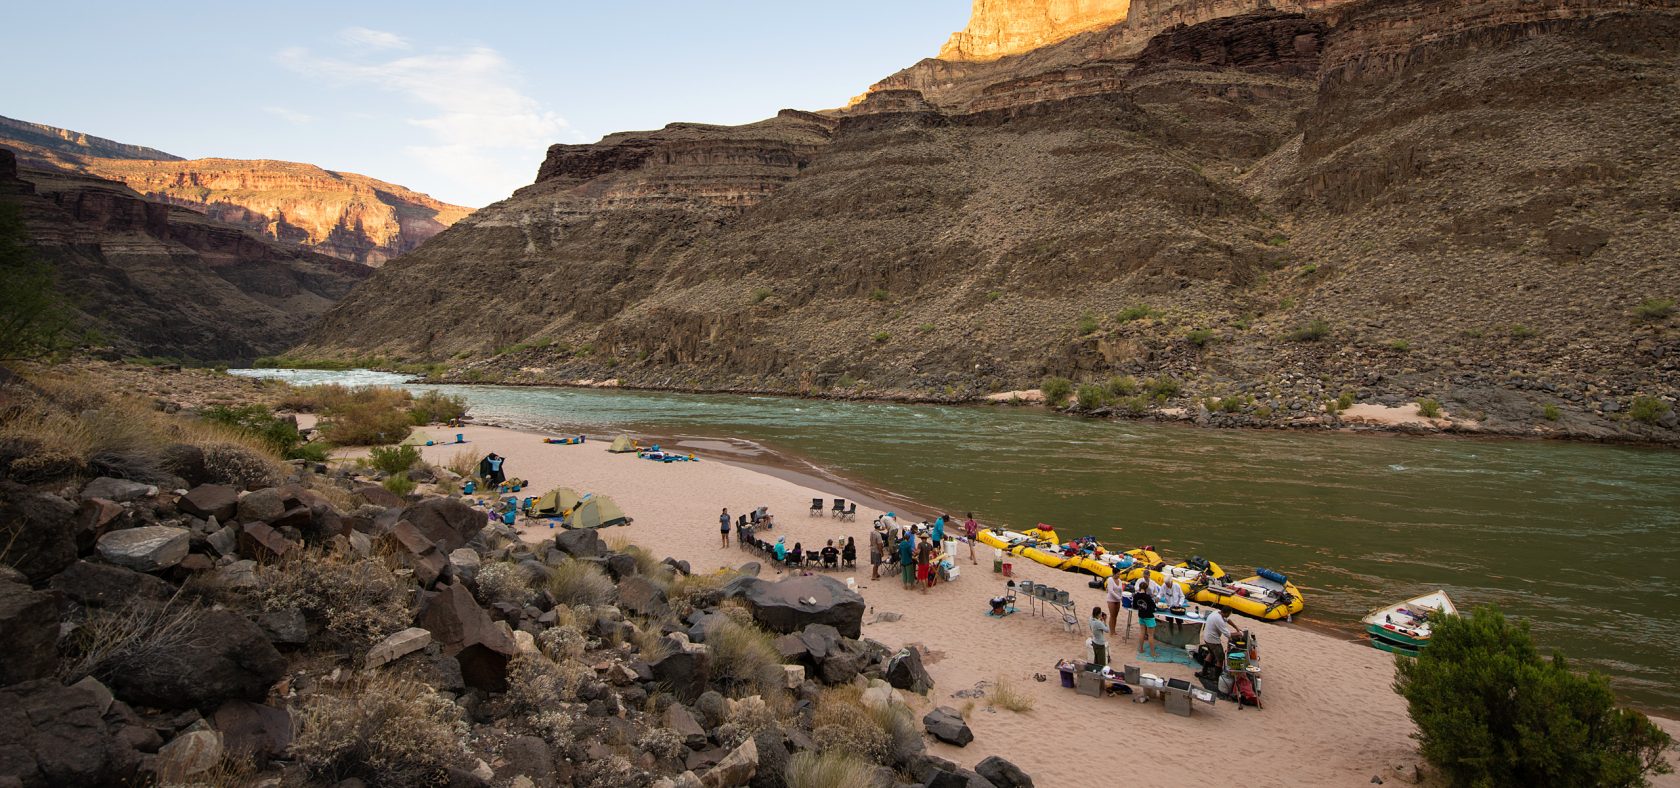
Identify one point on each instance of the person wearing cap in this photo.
(907, 560)
(877, 548)
(924, 562)
(1214, 631)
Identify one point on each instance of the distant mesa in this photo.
(341, 214)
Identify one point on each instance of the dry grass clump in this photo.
(1006, 696)
(241, 466)
(128, 640)
(661, 743)
(380, 729)
(684, 589)
(536, 683)
(356, 601)
(842, 723)
(464, 463)
(503, 581)
(563, 642)
(581, 583)
(829, 769)
(744, 658)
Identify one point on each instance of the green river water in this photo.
(1581, 540)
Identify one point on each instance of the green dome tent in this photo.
(622, 444)
(556, 502)
(596, 512)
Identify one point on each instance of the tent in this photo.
(596, 512)
(556, 502)
(622, 444)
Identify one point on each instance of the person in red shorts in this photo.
(924, 562)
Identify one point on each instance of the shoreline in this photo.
(1330, 692)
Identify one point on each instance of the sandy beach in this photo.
(1330, 717)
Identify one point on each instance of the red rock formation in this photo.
(998, 28)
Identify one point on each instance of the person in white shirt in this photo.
(1171, 597)
(1116, 589)
(1214, 631)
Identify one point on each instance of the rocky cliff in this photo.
(158, 280)
(1463, 200)
(341, 214)
(1009, 27)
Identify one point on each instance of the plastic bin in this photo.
(1008, 569)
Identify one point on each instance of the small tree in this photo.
(1056, 390)
(35, 321)
(1491, 711)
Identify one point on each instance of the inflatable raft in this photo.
(1267, 595)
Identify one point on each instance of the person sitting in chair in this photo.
(796, 555)
(781, 548)
(830, 555)
(848, 552)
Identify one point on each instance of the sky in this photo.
(456, 100)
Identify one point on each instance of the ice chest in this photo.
(1088, 682)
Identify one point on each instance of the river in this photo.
(1582, 540)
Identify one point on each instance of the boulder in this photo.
(224, 540)
(842, 665)
(398, 645)
(680, 566)
(38, 530)
(739, 587)
(222, 657)
(118, 490)
(210, 500)
(466, 633)
(448, 522)
(29, 621)
(526, 756)
(797, 602)
(93, 518)
(325, 523)
(621, 565)
(580, 543)
(261, 541)
(101, 693)
(103, 585)
(51, 734)
(419, 553)
(253, 730)
(286, 625)
(820, 640)
(1002, 773)
(190, 753)
(148, 549)
(465, 562)
(239, 574)
(712, 708)
(261, 506)
(678, 718)
(186, 461)
(749, 569)
(946, 724)
(641, 596)
(736, 768)
(379, 496)
(905, 671)
(686, 672)
(792, 648)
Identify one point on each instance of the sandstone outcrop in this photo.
(341, 214)
(1010, 27)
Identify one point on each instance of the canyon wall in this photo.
(345, 215)
(1009, 27)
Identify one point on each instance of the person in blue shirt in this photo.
(907, 561)
(781, 548)
(939, 532)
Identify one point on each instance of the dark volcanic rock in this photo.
(905, 671)
(94, 517)
(947, 725)
(51, 735)
(686, 672)
(103, 585)
(580, 543)
(186, 461)
(223, 657)
(148, 549)
(467, 633)
(794, 603)
(38, 530)
(117, 490)
(253, 730)
(1002, 773)
(641, 596)
(29, 621)
(446, 521)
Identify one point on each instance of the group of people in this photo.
(746, 526)
(1148, 598)
(918, 550)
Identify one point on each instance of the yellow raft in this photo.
(1041, 546)
(1266, 595)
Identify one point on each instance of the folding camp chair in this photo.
(839, 507)
(813, 558)
(816, 507)
(794, 558)
(851, 512)
(834, 564)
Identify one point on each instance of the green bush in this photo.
(1490, 711)
(1312, 331)
(1520, 331)
(925, 328)
(398, 484)
(994, 295)
(436, 407)
(1429, 408)
(1087, 323)
(759, 294)
(394, 459)
(1648, 409)
(1400, 345)
(312, 452)
(580, 583)
(279, 434)
(1163, 388)
(1550, 412)
(1092, 396)
(1200, 337)
(1133, 405)
(1133, 312)
(1122, 386)
(1345, 401)
(1654, 308)
(1056, 390)
(878, 294)
(880, 337)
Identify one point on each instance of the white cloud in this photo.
(289, 115)
(372, 39)
(480, 129)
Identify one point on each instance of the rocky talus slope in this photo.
(341, 214)
(158, 280)
(1465, 201)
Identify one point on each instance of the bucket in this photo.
(459, 438)
(1067, 678)
(997, 565)
(1008, 569)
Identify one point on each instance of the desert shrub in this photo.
(1133, 312)
(1429, 408)
(1654, 308)
(842, 723)
(1491, 711)
(380, 729)
(925, 328)
(398, 485)
(394, 459)
(1311, 331)
(503, 581)
(1135, 405)
(536, 683)
(993, 295)
(241, 466)
(356, 601)
(685, 588)
(1345, 401)
(1400, 346)
(744, 658)
(661, 743)
(436, 407)
(129, 639)
(880, 337)
(279, 434)
(580, 583)
(1056, 390)
(1006, 696)
(463, 463)
(759, 294)
(613, 771)
(878, 294)
(1520, 331)
(313, 451)
(1164, 388)
(1091, 396)
(1087, 323)
(1550, 412)
(828, 769)
(1648, 409)
(1122, 386)
(36, 320)
(563, 642)
(365, 425)
(1200, 337)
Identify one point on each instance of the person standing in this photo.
(1099, 637)
(877, 549)
(1116, 597)
(939, 531)
(1172, 598)
(907, 561)
(924, 562)
(971, 530)
(723, 527)
(1214, 631)
(1143, 603)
